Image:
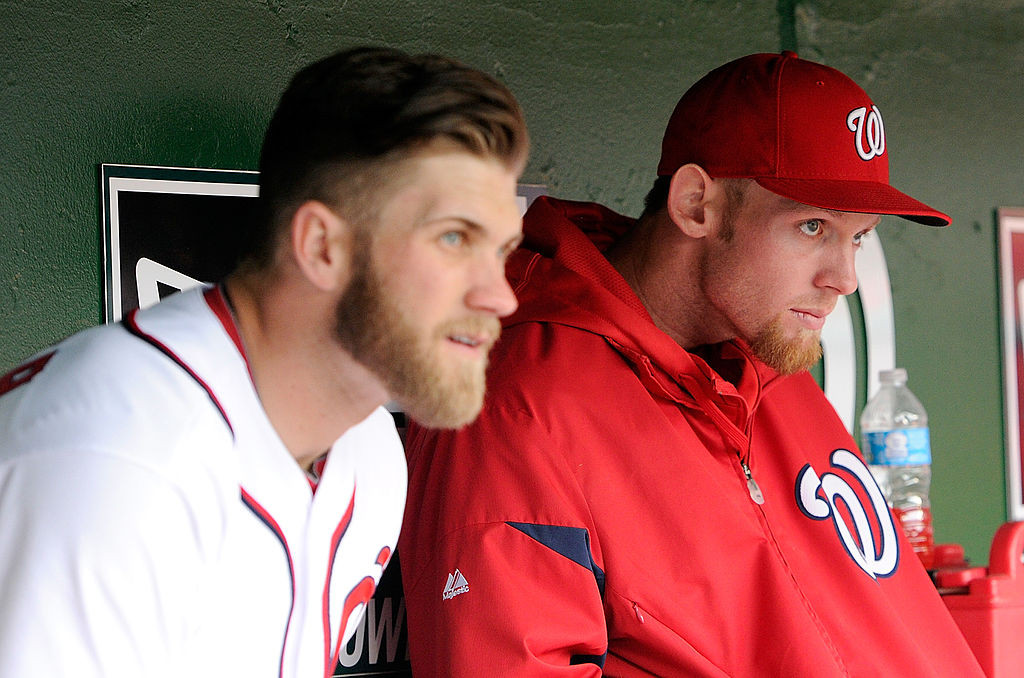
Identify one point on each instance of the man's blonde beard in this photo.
(786, 355)
(381, 335)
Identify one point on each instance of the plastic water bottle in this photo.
(895, 441)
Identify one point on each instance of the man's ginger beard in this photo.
(786, 355)
(380, 334)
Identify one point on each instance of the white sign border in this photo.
(1011, 221)
(116, 179)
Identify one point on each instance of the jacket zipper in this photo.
(752, 487)
(726, 425)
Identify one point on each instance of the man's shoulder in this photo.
(551, 359)
(546, 383)
(801, 387)
(375, 448)
(797, 404)
(100, 388)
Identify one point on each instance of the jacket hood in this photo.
(560, 276)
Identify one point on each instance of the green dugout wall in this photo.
(192, 84)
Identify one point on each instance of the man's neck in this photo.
(662, 267)
(311, 390)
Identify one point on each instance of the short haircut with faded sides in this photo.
(345, 120)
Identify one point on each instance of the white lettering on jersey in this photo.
(817, 495)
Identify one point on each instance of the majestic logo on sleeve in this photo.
(869, 133)
(872, 542)
(456, 585)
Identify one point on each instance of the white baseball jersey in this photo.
(152, 523)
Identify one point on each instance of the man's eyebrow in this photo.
(468, 222)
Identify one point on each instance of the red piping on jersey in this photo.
(132, 326)
(359, 595)
(269, 521)
(216, 298)
(24, 373)
(330, 660)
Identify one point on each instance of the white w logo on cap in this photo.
(869, 133)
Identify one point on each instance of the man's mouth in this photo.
(475, 342)
(472, 334)
(466, 340)
(813, 319)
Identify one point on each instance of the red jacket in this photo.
(599, 516)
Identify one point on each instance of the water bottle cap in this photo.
(893, 375)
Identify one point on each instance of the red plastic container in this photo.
(988, 604)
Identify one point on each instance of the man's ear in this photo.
(321, 244)
(691, 200)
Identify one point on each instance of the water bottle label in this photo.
(899, 447)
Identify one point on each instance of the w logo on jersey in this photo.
(872, 542)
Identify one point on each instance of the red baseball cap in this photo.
(800, 129)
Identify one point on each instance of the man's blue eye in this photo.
(453, 238)
(811, 227)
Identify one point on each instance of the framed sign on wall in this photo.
(167, 229)
(1011, 288)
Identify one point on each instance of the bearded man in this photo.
(656, 485)
(213, 487)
